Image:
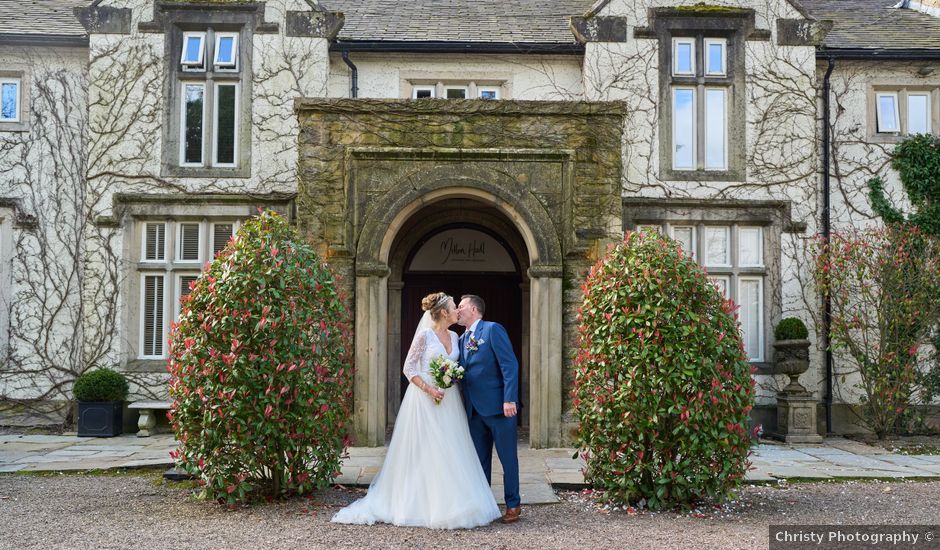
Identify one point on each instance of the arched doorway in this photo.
(459, 246)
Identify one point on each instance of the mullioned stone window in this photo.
(702, 122)
(207, 126)
(171, 255)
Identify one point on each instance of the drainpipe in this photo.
(826, 229)
(354, 85)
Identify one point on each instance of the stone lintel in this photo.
(460, 107)
(599, 29)
(314, 24)
(802, 32)
(765, 211)
(104, 19)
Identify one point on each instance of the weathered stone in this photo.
(549, 167)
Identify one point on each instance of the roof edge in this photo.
(870, 54)
(561, 48)
(63, 40)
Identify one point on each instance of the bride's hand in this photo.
(435, 393)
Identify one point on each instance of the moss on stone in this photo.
(703, 9)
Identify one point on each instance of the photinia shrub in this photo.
(884, 285)
(261, 368)
(662, 387)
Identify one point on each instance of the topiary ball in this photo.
(101, 384)
(791, 328)
(662, 387)
(261, 368)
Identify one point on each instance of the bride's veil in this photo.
(425, 322)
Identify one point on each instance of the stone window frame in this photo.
(734, 27)
(440, 81)
(772, 217)
(22, 75)
(175, 24)
(902, 90)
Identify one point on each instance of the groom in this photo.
(490, 391)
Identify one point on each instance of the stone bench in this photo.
(148, 420)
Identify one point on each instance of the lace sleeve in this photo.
(415, 354)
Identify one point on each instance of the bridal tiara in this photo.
(441, 301)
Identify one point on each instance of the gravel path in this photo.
(141, 511)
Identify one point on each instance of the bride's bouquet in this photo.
(445, 372)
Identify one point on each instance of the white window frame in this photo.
(724, 130)
(929, 113)
(178, 291)
(228, 65)
(675, 55)
(761, 312)
(675, 119)
(723, 42)
(143, 243)
(466, 91)
(17, 115)
(209, 247)
(215, 125)
(494, 89)
(879, 113)
(416, 89)
(182, 136)
(724, 278)
(707, 259)
(179, 242)
(672, 234)
(142, 309)
(760, 245)
(192, 65)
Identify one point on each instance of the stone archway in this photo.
(545, 290)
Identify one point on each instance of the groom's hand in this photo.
(509, 409)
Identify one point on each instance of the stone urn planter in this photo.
(791, 357)
(796, 406)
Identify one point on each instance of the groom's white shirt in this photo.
(473, 327)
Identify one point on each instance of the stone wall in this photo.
(42, 162)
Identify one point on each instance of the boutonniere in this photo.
(474, 344)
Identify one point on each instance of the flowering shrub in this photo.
(261, 368)
(663, 388)
(883, 286)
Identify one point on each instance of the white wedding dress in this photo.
(431, 476)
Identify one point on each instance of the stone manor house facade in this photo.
(480, 146)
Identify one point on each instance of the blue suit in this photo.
(491, 378)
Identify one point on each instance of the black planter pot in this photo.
(100, 418)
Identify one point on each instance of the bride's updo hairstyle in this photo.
(436, 302)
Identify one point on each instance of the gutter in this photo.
(827, 231)
(403, 46)
(870, 54)
(354, 77)
(52, 40)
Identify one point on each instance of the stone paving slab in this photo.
(539, 469)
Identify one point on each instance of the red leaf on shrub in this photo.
(268, 410)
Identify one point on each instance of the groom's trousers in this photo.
(501, 431)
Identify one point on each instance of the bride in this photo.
(431, 476)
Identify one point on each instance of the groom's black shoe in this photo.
(512, 515)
